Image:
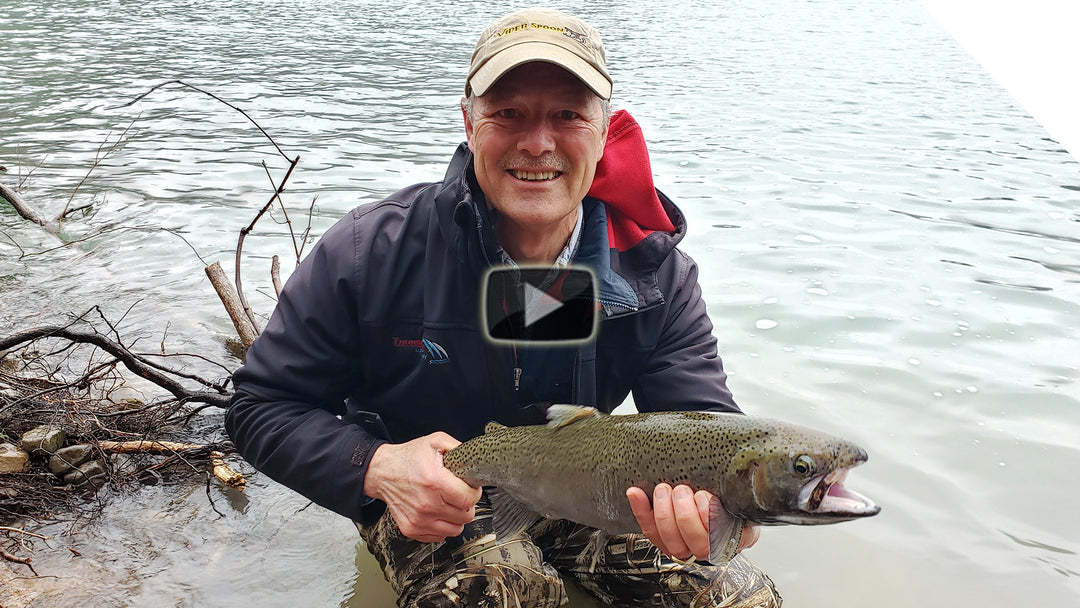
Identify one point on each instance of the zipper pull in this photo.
(517, 378)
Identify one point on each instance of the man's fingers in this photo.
(667, 526)
(456, 516)
(641, 507)
(704, 499)
(677, 520)
(458, 501)
(455, 492)
(429, 530)
(458, 494)
(442, 442)
(642, 510)
(690, 524)
(428, 502)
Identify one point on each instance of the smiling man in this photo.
(536, 136)
(375, 361)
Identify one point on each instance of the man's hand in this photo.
(428, 502)
(677, 521)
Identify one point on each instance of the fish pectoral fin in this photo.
(725, 532)
(561, 414)
(509, 516)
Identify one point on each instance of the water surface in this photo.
(889, 247)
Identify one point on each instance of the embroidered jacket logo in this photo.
(429, 350)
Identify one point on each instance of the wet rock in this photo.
(87, 472)
(66, 459)
(12, 459)
(43, 439)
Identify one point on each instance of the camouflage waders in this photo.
(477, 570)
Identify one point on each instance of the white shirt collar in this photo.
(567, 253)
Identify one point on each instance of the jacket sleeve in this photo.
(684, 371)
(285, 416)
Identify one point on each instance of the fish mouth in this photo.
(830, 499)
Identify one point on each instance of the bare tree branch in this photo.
(209, 94)
(98, 158)
(243, 233)
(133, 362)
(275, 275)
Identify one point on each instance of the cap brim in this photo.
(526, 52)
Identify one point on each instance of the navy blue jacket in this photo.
(383, 317)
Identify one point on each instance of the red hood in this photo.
(624, 181)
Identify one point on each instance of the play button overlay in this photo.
(538, 304)
(541, 305)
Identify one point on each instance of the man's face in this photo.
(536, 136)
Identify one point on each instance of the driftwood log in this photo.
(233, 306)
(26, 211)
(218, 468)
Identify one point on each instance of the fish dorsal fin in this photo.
(725, 533)
(509, 516)
(561, 414)
(493, 427)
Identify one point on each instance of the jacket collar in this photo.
(624, 181)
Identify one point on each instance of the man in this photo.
(374, 363)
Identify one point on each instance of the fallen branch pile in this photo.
(78, 382)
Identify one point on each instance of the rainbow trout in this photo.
(580, 464)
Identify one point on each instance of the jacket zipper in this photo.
(517, 366)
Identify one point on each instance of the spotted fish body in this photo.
(580, 464)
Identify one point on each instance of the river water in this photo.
(889, 248)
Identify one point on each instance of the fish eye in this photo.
(804, 465)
